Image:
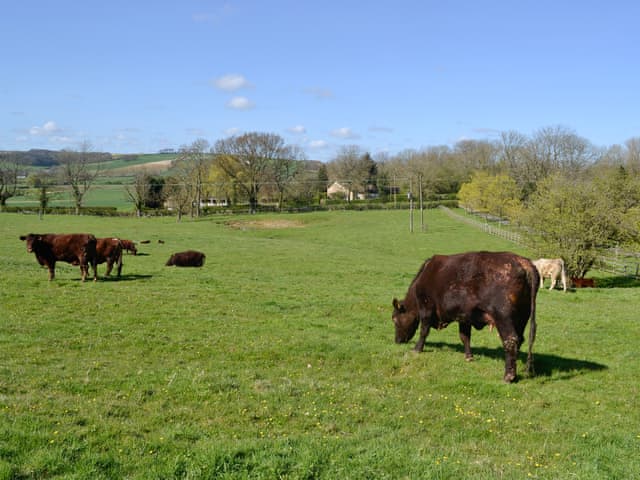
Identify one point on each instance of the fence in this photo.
(617, 262)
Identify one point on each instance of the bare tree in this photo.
(248, 161)
(193, 162)
(79, 169)
(283, 171)
(352, 168)
(138, 192)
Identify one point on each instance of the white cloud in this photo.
(318, 144)
(240, 103)
(231, 82)
(298, 129)
(345, 133)
(49, 128)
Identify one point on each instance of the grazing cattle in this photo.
(474, 289)
(583, 282)
(75, 248)
(109, 250)
(129, 246)
(552, 268)
(190, 258)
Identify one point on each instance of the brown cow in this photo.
(75, 248)
(109, 250)
(189, 258)
(473, 289)
(129, 246)
(583, 282)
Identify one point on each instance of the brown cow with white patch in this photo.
(474, 289)
(74, 248)
(552, 268)
(109, 250)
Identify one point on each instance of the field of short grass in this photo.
(276, 360)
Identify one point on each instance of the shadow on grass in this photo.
(124, 278)
(617, 282)
(545, 364)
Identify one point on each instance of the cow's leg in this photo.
(52, 270)
(109, 268)
(84, 270)
(553, 282)
(424, 332)
(464, 329)
(510, 342)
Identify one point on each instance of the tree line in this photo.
(572, 198)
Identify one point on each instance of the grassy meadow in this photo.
(276, 360)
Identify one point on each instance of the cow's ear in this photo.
(23, 237)
(396, 304)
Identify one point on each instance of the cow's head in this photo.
(405, 321)
(30, 239)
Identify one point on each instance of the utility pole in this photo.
(410, 197)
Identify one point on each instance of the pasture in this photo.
(276, 360)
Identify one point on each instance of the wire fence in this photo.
(615, 261)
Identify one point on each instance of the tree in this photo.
(41, 181)
(147, 191)
(179, 195)
(248, 161)
(9, 169)
(283, 170)
(354, 169)
(193, 163)
(569, 219)
(79, 169)
(493, 194)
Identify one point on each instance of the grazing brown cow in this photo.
(552, 268)
(473, 289)
(129, 246)
(75, 248)
(583, 282)
(189, 258)
(109, 250)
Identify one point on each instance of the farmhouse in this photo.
(339, 191)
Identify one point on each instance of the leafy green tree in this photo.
(9, 168)
(493, 194)
(568, 218)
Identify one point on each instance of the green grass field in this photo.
(276, 360)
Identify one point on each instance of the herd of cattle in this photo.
(475, 289)
(85, 250)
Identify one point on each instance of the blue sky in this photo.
(133, 76)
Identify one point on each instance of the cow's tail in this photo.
(534, 285)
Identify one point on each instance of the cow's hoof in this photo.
(509, 378)
(469, 358)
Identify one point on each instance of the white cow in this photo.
(552, 268)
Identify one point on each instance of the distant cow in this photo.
(473, 289)
(109, 250)
(129, 246)
(190, 258)
(583, 282)
(552, 268)
(75, 248)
